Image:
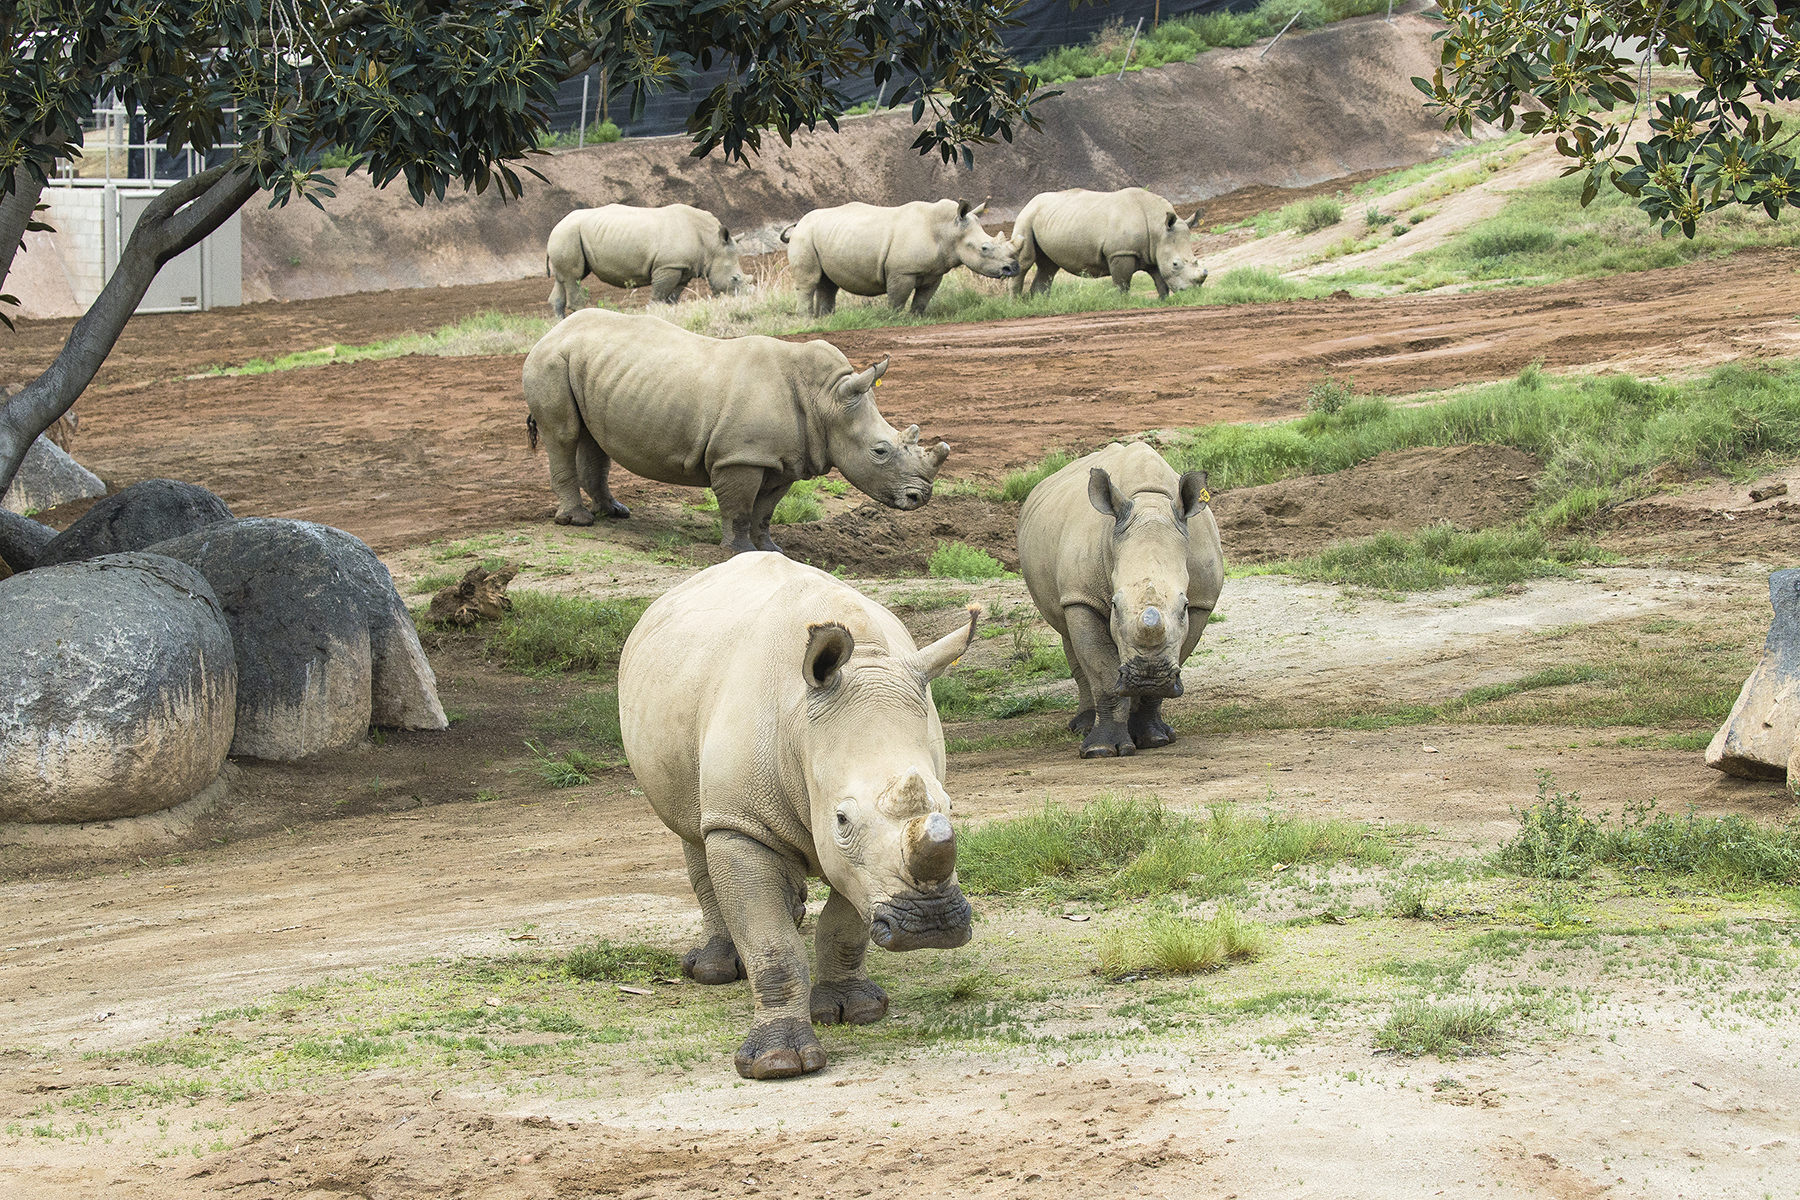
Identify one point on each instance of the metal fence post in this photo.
(1277, 37)
(1133, 45)
(581, 128)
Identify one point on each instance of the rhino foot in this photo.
(1108, 740)
(715, 962)
(616, 510)
(577, 516)
(1082, 721)
(851, 1002)
(1148, 730)
(783, 1048)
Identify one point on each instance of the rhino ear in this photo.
(962, 209)
(1194, 221)
(724, 235)
(933, 660)
(855, 386)
(1193, 492)
(828, 647)
(1169, 219)
(1105, 496)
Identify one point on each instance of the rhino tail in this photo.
(531, 431)
(787, 231)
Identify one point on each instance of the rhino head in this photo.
(880, 818)
(888, 465)
(1175, 256)
(981, 251)
(1149, 579)
(724, 267)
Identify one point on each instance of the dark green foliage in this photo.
(1437, 556)
(1555, 840)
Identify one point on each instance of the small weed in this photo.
(621, 962)
(1328, 395)
(1555, 840)
(548, 633)
(572, 770)
(959, 560)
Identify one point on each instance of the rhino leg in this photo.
(774, 488)
(755, 887)
(1096, 664)
(560, 425)
(1162, 285)
(824, 297)
(666, 284)
(1123, 267)
(1046, 271)
(715, 961)
(592, 466)
(899, 287)
(559, 299)
(738, 489)
(923, 293)
(1083, 720)
(844, 992)
(1148, 730)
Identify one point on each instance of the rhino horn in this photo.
(933, 660)
(930, 845)
(911, 436)
(939, 453)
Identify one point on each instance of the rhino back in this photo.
(858, 245)
(671, 405)
(1065, 544)
(1079, 229)
(625, 245)
(710, 683)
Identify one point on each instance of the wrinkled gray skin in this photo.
(781, 724)
(1122, 558)
(628, 246)
(745, 416)
(1105, 235)
(894, 252)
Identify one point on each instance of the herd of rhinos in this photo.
(779, 721)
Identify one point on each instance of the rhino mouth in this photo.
(938, 920)
(1146, 677)
(914, 496)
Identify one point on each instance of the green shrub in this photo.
(959, 560)
(1437, 556)
(1499, 238)
(1328, 395)
(1311, 214)
(1555, 839)
(1019, 483)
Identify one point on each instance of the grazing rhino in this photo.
(628, 246)
(746, 416)
(781, 724)
(892, 252)
(1122, 558)
(1101, 234)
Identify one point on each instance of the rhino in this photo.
(746, 416)
(781, 724)
(628, 246)
(1121, 556)
(896, 252)
(1101, 234)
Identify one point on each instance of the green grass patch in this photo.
(621, 962)
(1123, 847)
(572, 769)
(1011, 689)
(1417, 1027)
(1435, 557)
(1018, 484)
(959, 560)
(592, 716)
(484, 333)
(545, 633)
(1558, 841)
(1181, 39)
(1175, 944)
(1598, 437)
(596, 134)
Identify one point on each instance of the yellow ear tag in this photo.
(1205, 496)
(955, 660)
(878, 383)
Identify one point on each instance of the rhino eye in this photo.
(881, 451)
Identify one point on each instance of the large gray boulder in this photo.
(325, 647)
(1761, 733)
(49, 477)
(138, 517)
(22, 540)
(118, 689)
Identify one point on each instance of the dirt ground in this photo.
(333, 872)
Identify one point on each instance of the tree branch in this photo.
(175, 221)
(15, 215)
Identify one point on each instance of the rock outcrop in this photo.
(118, 689)
(138, 517)
(22, 540)
(1759, 738)
(49, 477)
(325, 646)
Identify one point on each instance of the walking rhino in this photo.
(1121, 556)
(1102, 234)
(781, 724)
(892, 252)
(746, 416)
(628, 246)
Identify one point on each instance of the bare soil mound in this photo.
(879, 542)
(1403, 490)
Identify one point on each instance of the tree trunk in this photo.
(15, 215)
(176, 220)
